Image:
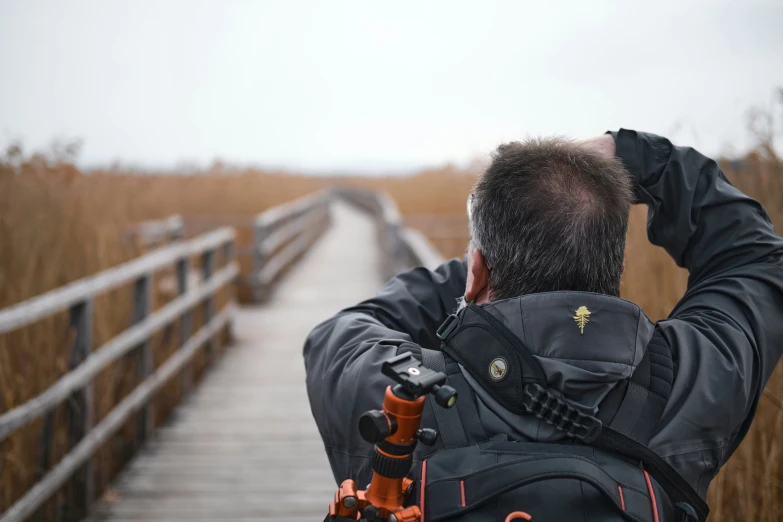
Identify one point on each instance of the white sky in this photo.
(378, 85)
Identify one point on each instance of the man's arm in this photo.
(343, 360)
(727, 328)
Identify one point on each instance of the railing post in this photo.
(208, 267)
(228, 252)
(177, 230)
(228, 258)
(45, 445)
(142, 303)
(185, 321)
(259, 233)
(80, 411)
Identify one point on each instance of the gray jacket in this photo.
(726, 333)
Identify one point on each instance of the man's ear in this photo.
(477, 286)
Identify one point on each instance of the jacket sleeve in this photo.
(726, 330)
(343, 360)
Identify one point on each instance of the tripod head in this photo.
(395, 431)
(414, 381)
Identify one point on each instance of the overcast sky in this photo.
(334, 84)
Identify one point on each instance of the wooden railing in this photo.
(282, 234)
(273, 239)
(76, 387)
(158, 232)
(402, 248)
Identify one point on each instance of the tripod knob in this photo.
(427, 436)
(370, 513)
(374, 426)
(445, 395)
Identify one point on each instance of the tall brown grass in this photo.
(58, 224)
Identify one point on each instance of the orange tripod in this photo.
(395, 431)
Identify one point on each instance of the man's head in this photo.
(547, 215)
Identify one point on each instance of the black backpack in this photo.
(601, 471)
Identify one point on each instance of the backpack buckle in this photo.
(447, 327)
(688, 514)
(560, 413)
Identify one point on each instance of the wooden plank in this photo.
(207, 518)
(34, 309)
(283, 503)
(160, 456)
(39, 493)
(186, 487)
(312, 472)
(109, 352)
(188, 446)
(260, 463)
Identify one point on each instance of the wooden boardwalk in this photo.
(244, 446)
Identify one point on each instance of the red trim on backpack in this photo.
(622, 499)
(423, 482)
(652, 496)
(462, 491)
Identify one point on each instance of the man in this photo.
(548, 221)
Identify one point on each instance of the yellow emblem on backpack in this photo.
(581, 318)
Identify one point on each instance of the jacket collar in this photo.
(584, 342)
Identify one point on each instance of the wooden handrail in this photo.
(403, 248)
(308, 232)
(155, 232)
(31, 410)
(87, 446)
(76, 386)
(34, 309)
(276, 214)
(283, 233)
(274, 231)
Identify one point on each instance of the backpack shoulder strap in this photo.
(682, 494)
(647, 392)
(451, 432)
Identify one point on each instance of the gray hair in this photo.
(549, 215)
